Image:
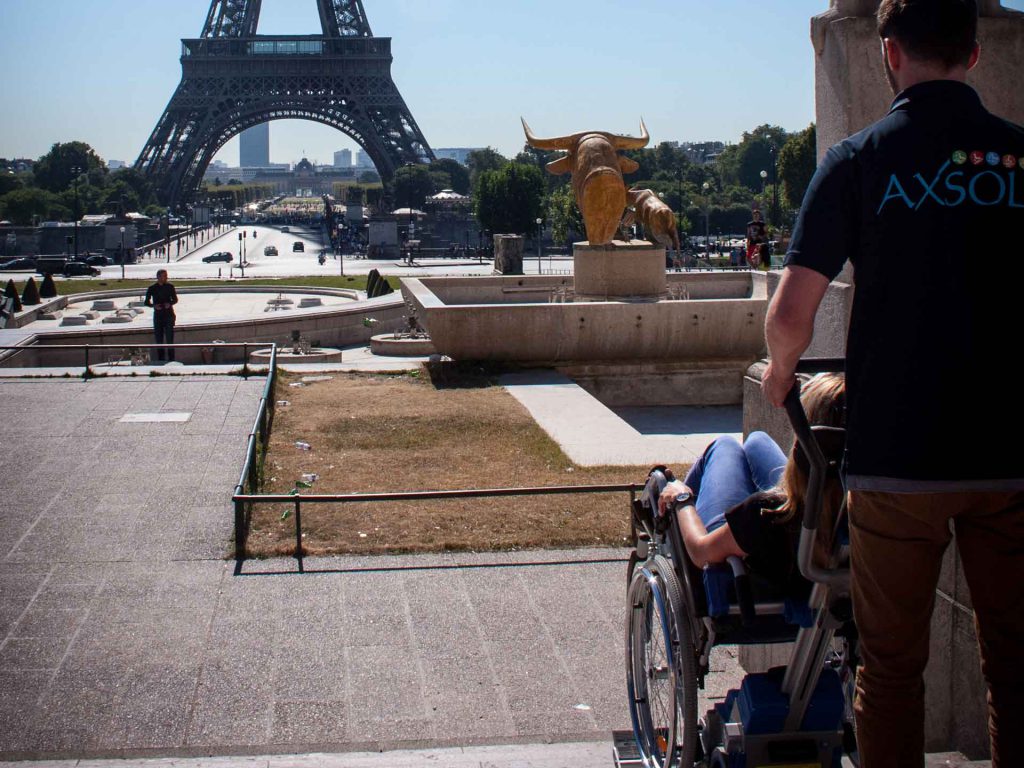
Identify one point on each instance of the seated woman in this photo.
(747, 500)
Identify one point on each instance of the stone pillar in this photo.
(508, 254)
(633, 271)
(851, 92)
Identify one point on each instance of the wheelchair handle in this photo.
(838, 578)
(744, 592)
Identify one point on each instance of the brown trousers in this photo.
(897, 545)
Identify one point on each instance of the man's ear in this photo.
(893, 53)
(975, 55)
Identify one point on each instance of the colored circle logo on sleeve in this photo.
(977, 158)
(1009, 162)
(992, 158)
(959, 157)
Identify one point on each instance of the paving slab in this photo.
(592, 434)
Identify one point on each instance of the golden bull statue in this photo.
(595, 164)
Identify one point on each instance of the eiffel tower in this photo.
(233, 79)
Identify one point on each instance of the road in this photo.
(289, 263)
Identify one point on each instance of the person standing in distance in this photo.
(162, 297)
(920, 203)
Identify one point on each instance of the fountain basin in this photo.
(287, 356)
(514, 319)
(387, 345)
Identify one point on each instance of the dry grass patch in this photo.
(373, 433)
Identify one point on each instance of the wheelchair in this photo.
(798, 716)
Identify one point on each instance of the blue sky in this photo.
(102, 71)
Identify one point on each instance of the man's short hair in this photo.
(161, 272)
(943, 31)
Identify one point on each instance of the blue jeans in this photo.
(728, 473)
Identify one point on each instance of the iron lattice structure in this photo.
(233, 79)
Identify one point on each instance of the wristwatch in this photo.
(684, 499)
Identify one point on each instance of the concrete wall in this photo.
(333, 328)
(542, 333)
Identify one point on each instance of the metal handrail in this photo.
(87, 348)
(259, 435)
(243, 500)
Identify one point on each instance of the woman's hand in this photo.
(672, 490)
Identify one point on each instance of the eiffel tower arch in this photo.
(233, 79)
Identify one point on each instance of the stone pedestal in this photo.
(383, 238)
(833, 319)
(851, 91)
(508, 254)
(620, 271)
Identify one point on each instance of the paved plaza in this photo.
(126, 632)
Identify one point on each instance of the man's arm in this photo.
(789, 328)
(174, 294)
(149, 296)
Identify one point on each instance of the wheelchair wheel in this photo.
(661, 674)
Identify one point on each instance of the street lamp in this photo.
(539, 231)
(77, 171)
(241, 251)
(764, 180)
(706, 186)
(122, 253)
(775, 184)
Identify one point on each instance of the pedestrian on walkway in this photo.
(927, 375)
(162, 297)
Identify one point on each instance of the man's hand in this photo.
(668, 495)
(775, 384)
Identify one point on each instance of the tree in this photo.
(22, 205)
(368, 177)
(458, 174)
(11, 292)
(140, 186)
(509, 200)
(53, 171)
(412, 184)
(30, 294)
(48, 290)
(9, 182)
(742, 163)
(482, 160)
(797, 163)
(564, 216)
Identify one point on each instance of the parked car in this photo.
(286, 229)
(79, 269)
(51, 264)
(298, 246)
(219, 256)
(270, 250)
(98, 260)
(18, 264)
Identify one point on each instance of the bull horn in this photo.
(628, 142)
(564, 144)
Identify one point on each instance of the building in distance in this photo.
(254, 147)
(343, 158)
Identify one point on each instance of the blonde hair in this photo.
(824, 401)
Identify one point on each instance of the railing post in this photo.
(298, 533)
(240, 532)
(85, 374)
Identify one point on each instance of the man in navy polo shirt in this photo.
(924, 204)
